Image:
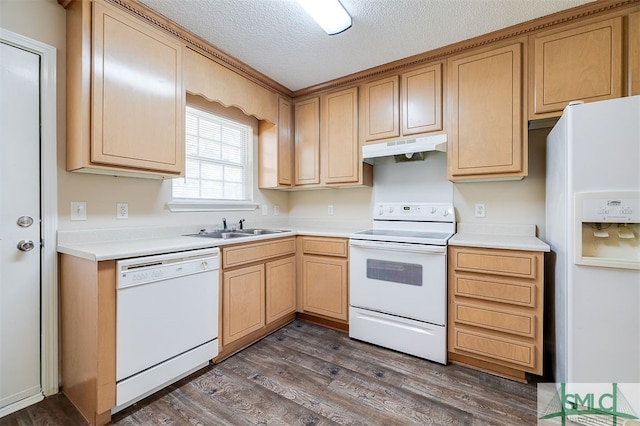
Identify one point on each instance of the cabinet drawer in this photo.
(512, 322)
(248, 253)
(496, 348)
(498, 262)
(325, 246)
(487, 288)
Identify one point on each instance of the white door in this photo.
(20, 250)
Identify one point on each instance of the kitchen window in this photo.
(218, 172)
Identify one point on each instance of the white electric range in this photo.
(398, 279)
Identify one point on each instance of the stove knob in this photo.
(380, 211)
(390, 209)
(445, 213)
(433, 210)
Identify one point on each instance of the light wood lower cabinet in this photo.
(280, 288)
(88, 336)
(243, 302)
(496, 310)
(258, 291)
(325, 277)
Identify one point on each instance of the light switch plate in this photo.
(78, 210)
(480, 210)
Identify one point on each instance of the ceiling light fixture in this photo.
(329, 14)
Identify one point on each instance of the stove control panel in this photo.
(431, 212)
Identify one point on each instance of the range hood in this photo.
(406, 148)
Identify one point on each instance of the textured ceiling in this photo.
(278, 39)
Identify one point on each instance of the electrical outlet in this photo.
(122, 211)
(265, 209)
(330, 210)
(78, 210)
(480, 210)
(276, 210)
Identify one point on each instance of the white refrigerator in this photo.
(592, 226)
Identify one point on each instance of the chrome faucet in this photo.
(224, 223)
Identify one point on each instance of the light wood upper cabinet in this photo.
(403, 105)
(582, 62)
(634, 53)
(339, 144)
(421, 94)
(381, 109)
(307, 142)
(275, 149)
(487, 136)
(125, 94)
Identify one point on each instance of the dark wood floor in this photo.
(304, 374)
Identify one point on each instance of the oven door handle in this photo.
(402, 247)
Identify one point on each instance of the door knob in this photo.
(25, 245)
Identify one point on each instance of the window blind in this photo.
(218, 165)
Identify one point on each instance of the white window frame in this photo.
(202, 204)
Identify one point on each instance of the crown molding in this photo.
(526, 28)
(193, 42)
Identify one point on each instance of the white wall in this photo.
(509, 202)
(45, 21)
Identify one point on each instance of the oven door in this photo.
(408, 280)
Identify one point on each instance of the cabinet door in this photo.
(275, 149)
(486, 138)
(243, 302)
(381, 109)
(339, 136)
(634, 54)
(307, 142)
(285, 143)
(281, 288)
(325, 282)
(582, 63)
(137, 94)
(422, 100)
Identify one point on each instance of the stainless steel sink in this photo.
(241, 233)
(258, 231)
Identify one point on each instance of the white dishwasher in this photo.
(166, 320)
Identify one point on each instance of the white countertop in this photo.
(84, 245)
(510, 237)
(112, 244)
